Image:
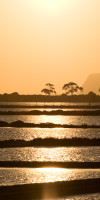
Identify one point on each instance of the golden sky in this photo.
(43, 41)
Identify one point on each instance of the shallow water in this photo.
(12, 176)
(83, 197)
(47, 103)
(58, 133)
(62, 154)
(59, 119)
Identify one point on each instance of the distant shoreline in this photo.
(15, 97)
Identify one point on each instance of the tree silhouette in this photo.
(71, 88)
(92, 97)
(49, 89)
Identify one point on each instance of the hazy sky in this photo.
(44, 41)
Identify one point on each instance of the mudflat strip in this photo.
(22, 124)
(54, 112)
(37, 164)
(50, 142)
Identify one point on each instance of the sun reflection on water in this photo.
(51, 119)
(51, 174)
(52, 170)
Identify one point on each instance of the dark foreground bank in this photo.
(49, 190)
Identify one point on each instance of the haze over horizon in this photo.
(54, 41)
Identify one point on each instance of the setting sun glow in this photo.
(46, 41)
(49, 4)
(50, 8)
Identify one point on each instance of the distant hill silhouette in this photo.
(92, 83)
